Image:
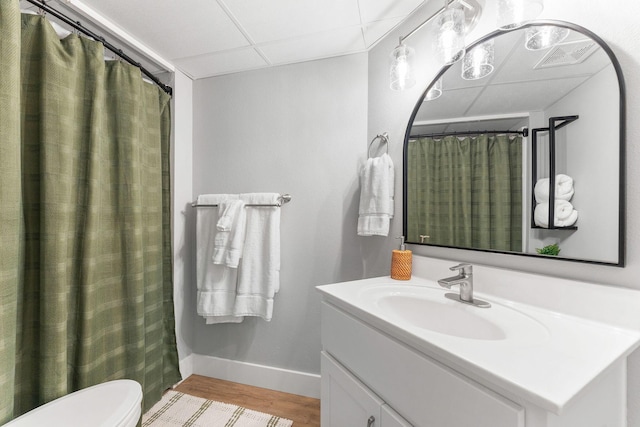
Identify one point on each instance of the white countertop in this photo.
(547, 366)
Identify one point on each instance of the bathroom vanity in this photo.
(547, 353)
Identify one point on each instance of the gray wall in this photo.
(298, 129)
(389, 111)
(591, 158)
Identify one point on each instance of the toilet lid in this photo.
(110, 404)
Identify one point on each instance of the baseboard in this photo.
(186, 366)
(295, 382)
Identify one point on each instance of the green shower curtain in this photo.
(466, 192)
(86, 290)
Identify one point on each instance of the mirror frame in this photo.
(622, 146)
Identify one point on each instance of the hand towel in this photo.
(564, 189)
(229, 239)
(259, 270)
(376, 196)
(216, 284)
(564, 214)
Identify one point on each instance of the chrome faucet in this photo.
(464, 279)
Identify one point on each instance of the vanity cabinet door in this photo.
(345, 401)
(424, 391)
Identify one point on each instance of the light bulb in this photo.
(435, 91)
(478, 62)
(515, 13)
(401, 68)
(449, 37)
(545, 36)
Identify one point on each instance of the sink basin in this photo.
(442, 317)
(427, 309)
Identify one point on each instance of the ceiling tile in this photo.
(377, 10)
(267, 21)
(523, 96)
(213, 37)
(376, 30)
(174, 29)
(221, 63)
(337, 42)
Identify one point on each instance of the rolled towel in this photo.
(564, 188)
(564, 213)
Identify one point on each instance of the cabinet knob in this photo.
(370, 421)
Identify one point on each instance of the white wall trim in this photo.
(186, 366)
(96, 18)
(285, 380)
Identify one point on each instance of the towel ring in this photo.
(385, 139)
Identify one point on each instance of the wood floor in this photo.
(303, 411)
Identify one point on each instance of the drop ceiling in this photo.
(205, 38)
(515, 86)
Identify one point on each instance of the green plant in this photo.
(549, 250)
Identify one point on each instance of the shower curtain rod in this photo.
(523, 132)
(78, 26)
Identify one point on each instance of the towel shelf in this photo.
(555, 123)
(284, 198)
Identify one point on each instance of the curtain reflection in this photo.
(465, 192)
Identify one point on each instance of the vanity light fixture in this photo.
(434, 91)
(401, 67)
(538, 38)
(478, 62)
(515, 13)
(454, 20)
(449, 34)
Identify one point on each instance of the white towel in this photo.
(216, 283)
(376, 196)
(564, 214)
(229, 239)
(564, 189)
(259, 269)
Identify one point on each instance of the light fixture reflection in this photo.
(478, 62)
(538, 38)
(515, 13)
(434, 91)
(401, 67)
(449, 36)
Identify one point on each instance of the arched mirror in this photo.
(527, 159)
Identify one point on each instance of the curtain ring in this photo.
(385, 139)
(41, 10)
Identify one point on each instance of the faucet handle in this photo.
(464, 268)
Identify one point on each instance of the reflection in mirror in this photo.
(537, 123)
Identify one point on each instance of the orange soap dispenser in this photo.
(401, 261)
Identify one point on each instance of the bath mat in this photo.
(179, 409)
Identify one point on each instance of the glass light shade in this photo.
(434, 91)
(478, 62)
(544, 37)
(449, 36)
(401, 67)
(515, 13)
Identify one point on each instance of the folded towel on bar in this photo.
(216, 284)
(376, 196)
(563, 191)
(231, 226)
(259, 269)
(564, 214)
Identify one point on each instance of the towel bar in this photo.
(284, 198)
